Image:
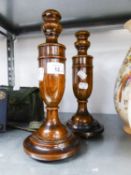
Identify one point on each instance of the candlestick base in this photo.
(85, 126)
(44, 150)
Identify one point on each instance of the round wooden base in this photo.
(44, 150)
(86, 130)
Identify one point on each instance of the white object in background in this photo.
(55, 68)
(16, 86)
(40, 73)
(127, 25)
(122, 97)
(82, 74)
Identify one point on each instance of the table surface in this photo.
(109, 154)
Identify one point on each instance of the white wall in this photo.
(108, 49)
(3, 61)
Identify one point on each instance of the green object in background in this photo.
(24, 105)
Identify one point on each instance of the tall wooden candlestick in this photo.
(82, 122)
(52, 141)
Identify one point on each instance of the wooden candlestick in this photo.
(52, 141)
(82, 122)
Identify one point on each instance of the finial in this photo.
(82, 42)
(51, 27)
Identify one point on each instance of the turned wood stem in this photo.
(82, 106)
(52, 116)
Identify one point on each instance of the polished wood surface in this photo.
(82, 122)
(52, 141)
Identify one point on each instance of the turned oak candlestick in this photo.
(82, 122)
(52, 141)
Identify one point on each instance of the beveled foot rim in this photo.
(88, 130)
(51, 152)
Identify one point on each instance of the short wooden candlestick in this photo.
(82, 122)
(52, 141)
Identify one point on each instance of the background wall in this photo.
(3, 61)
(108, 49)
